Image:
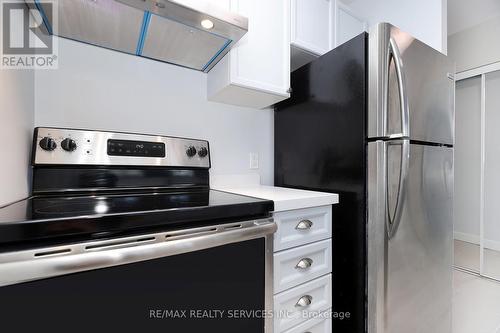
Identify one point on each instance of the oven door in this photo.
(210, 279)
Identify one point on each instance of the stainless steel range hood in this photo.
(189, 33)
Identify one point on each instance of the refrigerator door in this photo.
(410, 269)
(410, 88)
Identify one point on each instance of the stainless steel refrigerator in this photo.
(373, 120)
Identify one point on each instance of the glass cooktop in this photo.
(56, 216)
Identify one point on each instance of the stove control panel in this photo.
(136, 148)
(58, 146)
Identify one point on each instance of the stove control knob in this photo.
(48, 144)
(203, 152)
(68, 144)
(191, 151)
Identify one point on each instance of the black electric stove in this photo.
(123, 230)
(91, 184)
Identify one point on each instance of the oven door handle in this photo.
(30, 265)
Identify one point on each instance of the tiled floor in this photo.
(476, 300)
(476, 304)
(491, 263)
(467, 256)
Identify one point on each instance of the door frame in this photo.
(481, 72)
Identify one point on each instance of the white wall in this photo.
(424, 19)
(16, 132)
(100, 89)
(476, 46)
(465, 14)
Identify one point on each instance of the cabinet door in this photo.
(313, 25)
(349, 25)
(256, 72)
(262, 56)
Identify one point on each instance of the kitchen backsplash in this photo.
(101, 89)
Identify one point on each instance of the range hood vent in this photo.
(190, 33)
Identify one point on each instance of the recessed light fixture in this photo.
(207, 24)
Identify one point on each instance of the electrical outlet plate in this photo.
(254, 161)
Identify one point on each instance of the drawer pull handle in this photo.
(304, 263)
(304, 225)
(304, 301)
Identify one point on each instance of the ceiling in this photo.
(464, 14)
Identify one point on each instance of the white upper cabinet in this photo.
(312, 30)
(318, 26)
(313, 25)
(256, 72)
(349, 24)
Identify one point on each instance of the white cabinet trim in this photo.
(305, 45)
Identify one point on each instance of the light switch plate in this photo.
(254, 161)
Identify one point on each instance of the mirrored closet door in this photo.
(491, 228)
(467, 173)
(477, 171)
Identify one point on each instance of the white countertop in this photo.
(285, 198)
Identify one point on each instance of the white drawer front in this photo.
(289, 314)
(313, 326)
(301, 264)
(316, 225)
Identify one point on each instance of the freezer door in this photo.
(410, 88)
(410, 269)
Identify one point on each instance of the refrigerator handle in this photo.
(403, 97)
(393, 221)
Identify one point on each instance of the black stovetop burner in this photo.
(44, 217)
